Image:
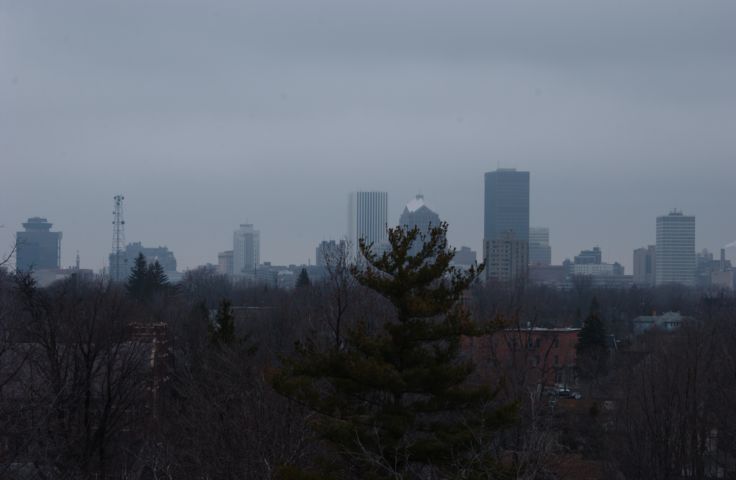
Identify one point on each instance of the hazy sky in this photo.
(209, 114)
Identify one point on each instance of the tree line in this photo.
(359, 375)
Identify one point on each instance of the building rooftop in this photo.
(543, 329)
(416, 203)
(37, 223)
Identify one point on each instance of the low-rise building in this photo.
(46, 277)
(465, 257)
(723, 279)
(667, 322)
(550, 275)
(531, 355)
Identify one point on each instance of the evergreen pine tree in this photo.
(592, 346)
(158, 281)
(303, 280)
(137, 285)
(395, 400)
(145, 280)
(222, 330)
(593, 333)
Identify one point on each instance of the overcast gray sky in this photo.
(209, 114)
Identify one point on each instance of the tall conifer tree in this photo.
(592, 346)
(395, 401)
(157, 278)
(303, 280)
(137, 285)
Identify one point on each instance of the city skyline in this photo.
(210, 256)
(621, 112)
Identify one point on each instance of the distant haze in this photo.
(206, 115)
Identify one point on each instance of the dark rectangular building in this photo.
(506, 204)
(506, 224)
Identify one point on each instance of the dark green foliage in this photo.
(222, 329)
(593, 334)
(157, 277)
(146, 280)
(395, 401)
(303, 280)
(592, 348)
(138, 279)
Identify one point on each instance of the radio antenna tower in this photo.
(118, 266)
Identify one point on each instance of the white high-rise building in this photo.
(246, 249)
(675, 251)
(368, 219)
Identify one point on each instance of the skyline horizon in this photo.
(557, 258)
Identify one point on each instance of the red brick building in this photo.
(526, 356)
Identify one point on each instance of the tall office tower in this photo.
(417, 214)
(368, 219)
(37, 248)
(329, 251)
(507, 258)
(246, 249)
(644, 265)
(675, 252)
(540, 252)
(506, 219)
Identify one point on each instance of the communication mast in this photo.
(118, 263)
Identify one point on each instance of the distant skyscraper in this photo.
(506, 219)
(37, 248)
(368, 219)
(417, 214)
(540, 251)
(225, 262)
(506, 204)
(644, 265)
(675, 252)
(246, 249)
(328, 251)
